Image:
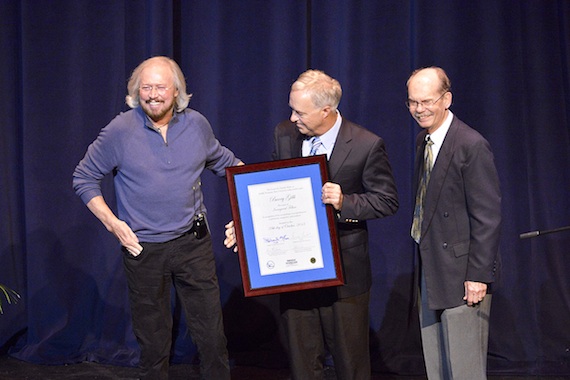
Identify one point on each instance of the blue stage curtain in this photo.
(63, 72)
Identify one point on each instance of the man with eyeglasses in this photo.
(157, 152)
(456, 226)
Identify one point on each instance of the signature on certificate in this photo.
(276, 239)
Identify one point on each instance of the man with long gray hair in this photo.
(157, 152)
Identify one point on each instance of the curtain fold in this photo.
(12, 231)
(64, 69)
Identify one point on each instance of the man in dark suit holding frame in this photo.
(361, 187)
(456, 224)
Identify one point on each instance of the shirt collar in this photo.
(329, 137)
(148, 122)
(439, 135)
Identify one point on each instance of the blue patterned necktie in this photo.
(315, 145)
(419, 209)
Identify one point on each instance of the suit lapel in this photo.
(297, 145)
(291, 144)
(419, 163)
(439, 171)
(341, 150)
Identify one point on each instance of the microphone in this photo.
(527, 235)
(536, 233)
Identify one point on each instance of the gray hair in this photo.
(133, 98)
(323, 90)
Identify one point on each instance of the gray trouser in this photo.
(455, 340)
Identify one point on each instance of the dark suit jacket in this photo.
(462, 215)
(359, 164)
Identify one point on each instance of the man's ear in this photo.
(448, 99)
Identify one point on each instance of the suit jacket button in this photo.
(445, 214)
(444, 245)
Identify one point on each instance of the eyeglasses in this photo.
(413, 104)
(160, 89)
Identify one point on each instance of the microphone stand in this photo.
(537, 233)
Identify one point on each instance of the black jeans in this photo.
(189, 264)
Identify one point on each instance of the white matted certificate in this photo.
(286, 236)
(285, 226)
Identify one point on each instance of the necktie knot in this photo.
(428, 154)
(315, 145)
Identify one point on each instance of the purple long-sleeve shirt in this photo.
(157, 183)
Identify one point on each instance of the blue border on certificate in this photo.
(257, 281)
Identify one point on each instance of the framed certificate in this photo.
(286, 236)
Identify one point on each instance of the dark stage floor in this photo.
(12, 369)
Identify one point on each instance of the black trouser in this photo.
(316, 320)
(189, 264)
